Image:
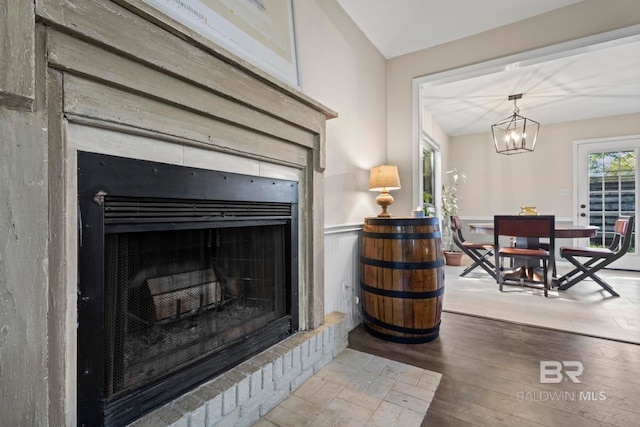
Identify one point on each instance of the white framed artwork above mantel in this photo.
(258, 31)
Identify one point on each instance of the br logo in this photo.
(553, 371)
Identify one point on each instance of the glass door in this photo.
(607, 184)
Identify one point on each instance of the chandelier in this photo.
(515, 134)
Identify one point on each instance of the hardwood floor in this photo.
(491, 375)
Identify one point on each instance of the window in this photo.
(429, 166)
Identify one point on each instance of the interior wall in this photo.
(583, 19)
(499, 184)
(340, 68)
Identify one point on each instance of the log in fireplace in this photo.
(183, 274)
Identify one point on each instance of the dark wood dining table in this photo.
(562, 231)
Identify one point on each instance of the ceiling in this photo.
(590, 82)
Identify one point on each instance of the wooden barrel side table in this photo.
(402, 278)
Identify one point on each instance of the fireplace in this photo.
(183, 274)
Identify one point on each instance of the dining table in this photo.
(562, 231)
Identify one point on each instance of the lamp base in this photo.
(384, 199)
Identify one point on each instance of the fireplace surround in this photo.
(184, 273)
(118, 78)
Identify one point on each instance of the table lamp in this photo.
(383, 179)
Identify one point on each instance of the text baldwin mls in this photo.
(572, 396)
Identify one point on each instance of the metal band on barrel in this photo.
(401, 340)
(402, 294)
(411, 236)
(400, 265)
(397, 328)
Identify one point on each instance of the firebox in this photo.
(183, 274)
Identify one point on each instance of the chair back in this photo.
(623, 230)
(456, 230)
(524, 226)
(456, 223)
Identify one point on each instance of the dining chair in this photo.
(480, 253)
(525, 259)
(597, 258)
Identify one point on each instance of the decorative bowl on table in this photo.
(528, 210)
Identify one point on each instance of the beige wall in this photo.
(340, 68)
(579, 20)
(499, 184)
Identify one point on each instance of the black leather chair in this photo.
(480, 253)
(525, 259)
(597, 258)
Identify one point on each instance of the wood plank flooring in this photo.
(491, 375)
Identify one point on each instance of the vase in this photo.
(528, 210)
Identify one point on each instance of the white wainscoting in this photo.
(342, 271)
